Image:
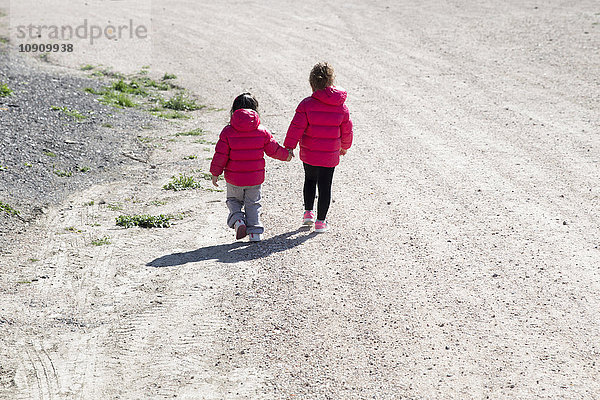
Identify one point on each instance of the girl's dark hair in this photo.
(321, 76)
(244, 100)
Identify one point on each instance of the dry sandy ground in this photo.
(463, 260)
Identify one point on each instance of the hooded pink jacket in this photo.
(322, 125)
(241, 148)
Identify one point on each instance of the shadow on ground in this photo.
(237, 251)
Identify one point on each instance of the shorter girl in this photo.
(323, 128)
(240, 153)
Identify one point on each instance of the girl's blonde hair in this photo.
(321, 76)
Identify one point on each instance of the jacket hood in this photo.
(245, 120)
(331, 95)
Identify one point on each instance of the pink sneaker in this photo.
(309, 217)
(321, 226)
(240, 229)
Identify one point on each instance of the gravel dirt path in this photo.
(463, 260)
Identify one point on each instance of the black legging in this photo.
(313, 177)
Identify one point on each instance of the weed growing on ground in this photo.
(145, 221)
(63, 174)
(5, 90)
(3, 168)
(116, 99)
(4, 40)
(114, 206)
(70, 113)
(8, 209)
(158, 202)
(101, 241)
(182, 182)
(180, 102)
(73, 229)
(133, 87)
(89, 203)
(167, 76)
(50, 154)
(84, 169)
(87, 67)
(107, 125)
(172, 115)
(192, 157)
(193, 132)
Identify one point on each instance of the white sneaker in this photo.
(255, 237)
(240, 229)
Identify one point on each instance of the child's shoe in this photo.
(255, 237)
(309, 217)
(240, 229)
(321, 226)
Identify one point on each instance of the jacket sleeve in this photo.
(346, 130)
(273, 149)
(297, 127)
(221, 156)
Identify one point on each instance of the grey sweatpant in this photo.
(246, 197)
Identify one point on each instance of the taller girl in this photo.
(323, 127)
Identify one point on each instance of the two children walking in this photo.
(321, 126)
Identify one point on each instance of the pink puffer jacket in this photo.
(241, 148)
(322, 125)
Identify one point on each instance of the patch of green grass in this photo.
(70, 113)
(107, 125)
(63, 174)
(193, 132)
(145, 221)
(101, 241)
(158, 202)
(180, 102)
(182, 182)
(45, 57)
(172, 115)
(116, 99)
(28, 165)
(147, 82)
(84, 169)
(4, 40)
(33, 260)
(93, 91)
(50, 154)
(5, 90)
(133, 87)
(8, 209)
(192, 157)
(73, 229)
(87, 67)
(89, 203)
(114, 206)
(23, 282)
(3, 168)
(167, 76)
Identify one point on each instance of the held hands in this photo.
(290, 154)
(343, 152)
(214, 180)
